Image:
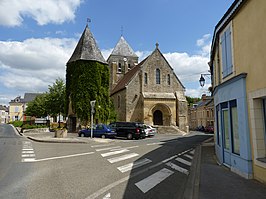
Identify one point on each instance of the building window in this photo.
(118, 101)
(168, 79)
(129, 67)
(119, 68)
(234, 127)
(158, 76)
(16, 109)
(226, 43)
(145, 78)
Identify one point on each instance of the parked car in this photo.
(100, 130)
(129, 130)
(209, 129)
(200, 128)
(149, 130)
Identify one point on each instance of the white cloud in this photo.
(33, 64)
(43, 12)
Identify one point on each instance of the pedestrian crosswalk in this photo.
(180, 163)
(27, 154)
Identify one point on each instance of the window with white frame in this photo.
(119, 70)
(226, 44)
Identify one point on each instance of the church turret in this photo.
(86, 74)
(121, 60)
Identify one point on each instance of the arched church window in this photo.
(168, 79)
(119, 68)
(145, 78)
(158, 76)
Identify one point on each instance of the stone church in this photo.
(148, 91)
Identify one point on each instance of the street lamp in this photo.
(92, 111)
(202, 79)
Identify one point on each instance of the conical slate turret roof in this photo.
(87, 49)
(122, 48)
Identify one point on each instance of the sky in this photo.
(37, 38)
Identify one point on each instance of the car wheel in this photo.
(82, 135)
(103, 137)
(129, 136)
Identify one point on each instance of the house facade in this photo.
(202, 113)
(148, 91)
(3, 114)
(18, 106)
(239, 88)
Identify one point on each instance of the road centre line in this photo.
(114, 153)
(106, 149)
(116, 183)
(61, 157)
(148, 183)
(100, 145)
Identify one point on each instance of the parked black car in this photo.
(129, 130)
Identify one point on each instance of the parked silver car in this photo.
(149, 130)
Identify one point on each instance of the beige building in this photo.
(18, 106)
(202, 113)
(3, 114)
(148, 91)
(238, 68)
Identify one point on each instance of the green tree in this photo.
(55, 98)
(192, 100)
(37, 107)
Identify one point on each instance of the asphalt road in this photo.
(155, 167)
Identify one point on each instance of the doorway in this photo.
(158, 117)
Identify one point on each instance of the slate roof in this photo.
(28, 97)
(87, 49)
(3, 108)
(207, 102)
(122, 48)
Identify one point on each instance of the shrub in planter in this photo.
(17, 123)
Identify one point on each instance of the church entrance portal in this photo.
(158, 117)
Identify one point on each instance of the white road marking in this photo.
(178, 168)
(118, 182)
(107, 196)
(100, 145)
(148, 183)
(130, 147)
(27, 149)
(106, 149)
(28, 159)
(155, 143)
(114, 153)
(183, 161)
(188, 156)
(23, 152)
(27, 155)
(192, 152)
(123, 157)
(133, 165)
(168, 159)
(61, 157)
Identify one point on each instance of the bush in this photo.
(17, 123)
(28, 126)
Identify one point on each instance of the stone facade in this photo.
(149, 92)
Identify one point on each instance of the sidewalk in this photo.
(71, 138)
(213, 181)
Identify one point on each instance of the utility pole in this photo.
(92, 111)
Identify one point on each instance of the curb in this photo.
(55, 141)
(192, 185)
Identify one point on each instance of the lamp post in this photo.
(202, 79)
(92, 111)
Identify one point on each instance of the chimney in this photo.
(203, 97)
